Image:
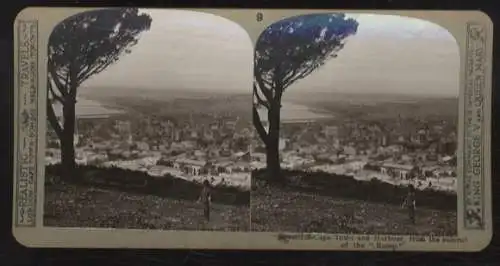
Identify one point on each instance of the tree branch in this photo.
(74, 68)
(296, 75)
(258, 126)
(262, 87)
(52, 72)
(66, 81)
(51, 116)
(53, 93)
(290, 75)
(99, 67)
(259, 99)
(96, 69)
(95, 65)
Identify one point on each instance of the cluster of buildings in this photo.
(215, 148)
(223, 148)
(422, 153)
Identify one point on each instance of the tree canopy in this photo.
(285, 52)
(87, 43)
(291, 49)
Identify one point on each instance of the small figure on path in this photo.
(410, 203)
(206, 199)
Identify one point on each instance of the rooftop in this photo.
(191, 162)
(398, 166)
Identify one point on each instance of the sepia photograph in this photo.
(356, 118)
(149, 122)
(252, 129)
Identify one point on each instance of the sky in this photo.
(185, 50)
(194, 51)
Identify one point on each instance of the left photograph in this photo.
(149, 122)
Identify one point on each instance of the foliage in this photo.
(87, 43)
(293, 48)
(287, 51)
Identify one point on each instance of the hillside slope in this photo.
(69, 205)
(285, 210)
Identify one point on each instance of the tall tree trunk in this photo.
(272, 147)
(67, 141)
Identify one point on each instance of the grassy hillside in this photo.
(137, 182)
(340, 186)
(306, 202)
(280, 209)
(120, 198)
(69, 205)
(322, 202)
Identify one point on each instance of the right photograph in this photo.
(356, 119)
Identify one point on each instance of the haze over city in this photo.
(196, 52)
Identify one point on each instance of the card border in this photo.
(485, 126)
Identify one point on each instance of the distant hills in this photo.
(170, 102)
(296, 104)
(86, 108)
(156, 94)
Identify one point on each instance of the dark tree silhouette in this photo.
(287, 51)
(79, 47)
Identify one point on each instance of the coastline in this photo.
(299, 113)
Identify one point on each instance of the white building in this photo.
(399, 171)
(191, 167)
